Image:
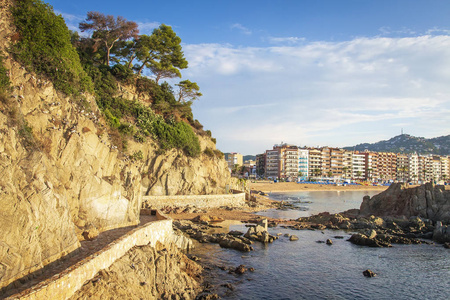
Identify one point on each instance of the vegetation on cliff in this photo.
(43, 46)
(113, 56)
(4, 79)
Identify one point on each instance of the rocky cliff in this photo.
(62, 175)
(145, 272)
(426, 201)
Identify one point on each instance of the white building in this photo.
(303, 163)
(358, 166)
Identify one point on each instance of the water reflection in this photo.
(310, 203)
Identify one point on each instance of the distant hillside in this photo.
(244, 157)
(249, 157)
(406, 143)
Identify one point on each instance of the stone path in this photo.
(87, 248)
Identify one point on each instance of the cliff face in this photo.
(426, 201)
(145, 272)
(61, 174)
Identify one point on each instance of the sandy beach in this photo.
(270, 186)
(263, 202)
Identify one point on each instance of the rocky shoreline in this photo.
(366, 229)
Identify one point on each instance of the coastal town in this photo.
(286, 162)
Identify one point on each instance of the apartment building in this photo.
(233, 159)
(303, 163)
(288, 162)
(272, 163)
(445, 167)
(387, 165)
(315, 162)
(413, 167)
(261, 164)
(359, 166)
(402, 167)
(347, 163)
(436, 168)
(425, 168)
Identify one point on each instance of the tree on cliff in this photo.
(108, 30)
(161, 52)
(188, 91)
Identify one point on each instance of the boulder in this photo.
(441, 233)
(235, 244)
(369, 273)
(293, 238)
(241, 269)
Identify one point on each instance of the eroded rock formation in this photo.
(162, 272)
(427, 201)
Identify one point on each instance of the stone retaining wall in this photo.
(198, 201)
(65, 284)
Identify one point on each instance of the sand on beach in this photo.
(270, 186)
(246, 213)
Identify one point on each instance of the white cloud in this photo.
(147, 27)
(241, 28)
(72, 21)
(286, 40)
(318, 93)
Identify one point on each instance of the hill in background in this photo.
(406, 143)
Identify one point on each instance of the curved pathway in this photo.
(87, 248)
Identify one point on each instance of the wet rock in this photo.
(369, 273)
(194, 258)
(441, 233)
(293, 238)
(235, 244)
(235, 233)
(329, 242)
(228, 286)
(259, 233)
(363, 240)
(241, 269)
(207, 296)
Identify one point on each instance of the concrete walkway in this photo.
(87, 248)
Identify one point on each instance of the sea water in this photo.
(307, 269)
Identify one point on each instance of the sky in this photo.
(304, 72)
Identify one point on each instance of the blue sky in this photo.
(313, 73)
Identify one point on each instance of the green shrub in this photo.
(4, 78)
(122, 73)
(137, 155)
(219, 153)
(44, 46)
(179, 135)
(209, 152)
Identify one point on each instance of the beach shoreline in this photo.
(263, 202)
(270, 186)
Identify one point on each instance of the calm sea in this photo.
(306, 269)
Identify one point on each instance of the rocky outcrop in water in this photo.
(373, 231)
(426, 201)
(200, 233)
(441, 233)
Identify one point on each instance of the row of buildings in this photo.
(289, 162)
